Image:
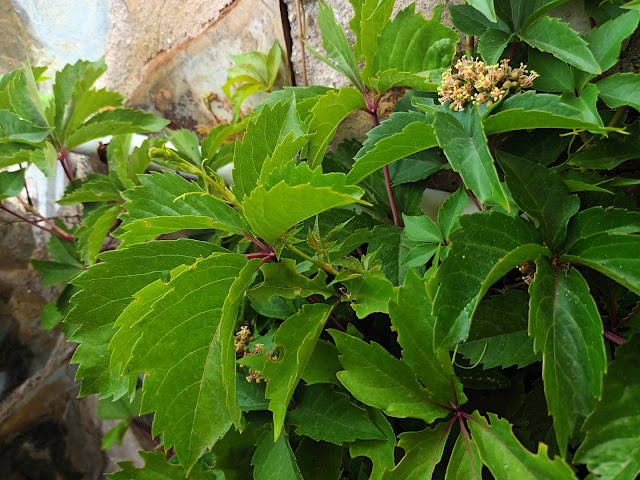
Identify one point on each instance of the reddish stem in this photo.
(26, 190)
(512, 52)
(66, 165)
(474, 199)
(313, 299)
(35, 224)
(257, 242)
(618, 340)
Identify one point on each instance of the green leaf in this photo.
(336, 45)
(274, 460)
(450, 211)
(319, 460)
(421, 229)
(115, 122)
(24, 97)
(411, 317)
(156, 468)
(327, 113)
(326, 415)
(180, 349)
(232, 452)
(542, 195)
(470, 21)
(416, 167)
(169, 195)
(613, 255)
(296, 338)
(45, 159)
(395, 78)
(597, 220)
(95, 228)
(553, 36)
(505, 456)
(282, 279)
(491, 44)
(369, 293)
(263, 140)
(379, 451)
(485, 7)
(121, 409)
(272, 212)
(420, 255)
(55, 272)
(566, 327)
(423, 451)
(13, 153)
(87, 102)
(97, 188)
(369, 20)
(51, 315)
(606, 40)
(403, 134)
(101, 300)
(147, 228)
(392, 248)
(378, 379)
(464, 462)
(620, 89)
(611, 445)
(11, 183)
(632, 5)
(322, 365)
(498, 335)
(127, 166)
(395, 46)
(115, 434)
(15, 129)
(488, 245)
(468, 153)
(608, 153)
(555, 75)
(186, 143)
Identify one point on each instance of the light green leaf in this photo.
(274, 460)
(542, 195)
(124, 166)
(403, 134)
(395, 46)
(95, 228)
(620, 89)
(505, 456)
(327, 113)
(147, 228)
(88, 102)
(272, 212)
(613, 428)
(423, 451)
(379, 451)
(97, 188)
(450, 211)
(488, 245)
(13, 153)
(55, 272)
(45, 159)
(491, 44)
(553, 36)
(263, 138)
(468, 153)
(485, 7)
(15, 129)
(420, 255)
(378, 379)
(186, 143)
(281, 279)
(421, 229)
(24, 97)
(632, 5)
(566, 327)
(11, 183)
(326, 415)
(412, 319)
(369, 20)
(157, 468)
(498, 335)
(393, 77)
(464, 462)
(369, 294)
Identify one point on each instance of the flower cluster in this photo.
(243, 338)
(477, 82)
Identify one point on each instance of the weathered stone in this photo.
(176, 80)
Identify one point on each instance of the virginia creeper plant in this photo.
(311, 322)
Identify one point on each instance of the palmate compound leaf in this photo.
(324, 414)
(274, 460)
(566, 327)
(281, 279)
(498, 335)
(505, 456)
(464, 462)
(403, 134)
(101, 300)
(381, 452)
(181, 348)
(378, 379)
(486, 247)
(411, 317)
(296, 338)
(611, 447)
(423, 451)
(157, 468)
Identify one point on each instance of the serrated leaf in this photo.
(115, 434)
(147, 228)
(95, 228)
(97, 188)
(232, 452)
(181, 349)
(394, 48)
(157, 468)
(115, 122)
(274, 460)
(488, 245)
(100, 301)
(274, 211)
(420, 255)
(85, 103)
(126, 166)
(566, 327)
(15, 129)
(553, 36)
(326, 415)
(470, 21)
(608, 153)
(611, 445)
(620, 89)
(369, 293)
(45, 159)
(393, 77)
(382, 381)
(24, 98)
(485, 7)
(498, 335)
(555, 75)
(186, 143)
(282, 279)
(13, 153)
(11, 183)
(505, 456)
(542, 194)
(381, 452)
(468, 153)
(369, 20)
(393, 247)
(327, 113)
(296, 338)
(421, 229)
(322, 365)
(491, 44)
(412, 319)
(606, 40)
(598, 220)
(319, 460)
(263, 138)
(423, 451)
(403, 134)
(55, 272)
(464, 462)
(450, 211)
